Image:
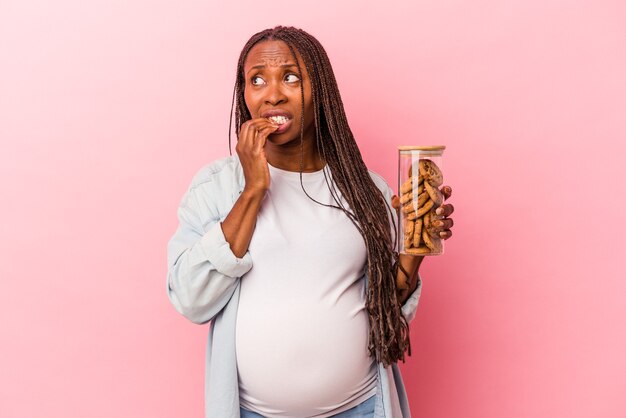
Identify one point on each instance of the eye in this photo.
(293, 78)
(256, 80)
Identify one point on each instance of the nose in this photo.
(275, 94)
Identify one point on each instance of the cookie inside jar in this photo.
(420, 178)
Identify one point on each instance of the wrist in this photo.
(411, 262)
(254, 193)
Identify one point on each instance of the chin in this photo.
(282, 139)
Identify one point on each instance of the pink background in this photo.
(108, 108)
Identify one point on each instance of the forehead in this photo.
(270, 54)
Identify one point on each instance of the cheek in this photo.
(249, 103)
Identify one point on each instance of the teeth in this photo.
(279, 119)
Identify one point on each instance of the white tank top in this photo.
(302, 326)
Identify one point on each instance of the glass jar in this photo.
(420, 178)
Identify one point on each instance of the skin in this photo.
(273, 82)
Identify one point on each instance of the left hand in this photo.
(443, 224)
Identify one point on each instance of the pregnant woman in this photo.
(289, 249)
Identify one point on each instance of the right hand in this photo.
(250, 149)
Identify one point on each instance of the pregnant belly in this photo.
(299, 359)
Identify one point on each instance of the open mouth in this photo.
(280, 120)
(283, 123)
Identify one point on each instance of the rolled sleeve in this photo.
(217, 251)
(203, 272)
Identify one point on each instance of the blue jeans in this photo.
(362, 410)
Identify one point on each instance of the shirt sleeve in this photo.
(202, 272)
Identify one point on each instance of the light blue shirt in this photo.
(203, 285)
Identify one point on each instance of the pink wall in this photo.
(107, 109)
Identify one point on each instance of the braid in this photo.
(366, 206)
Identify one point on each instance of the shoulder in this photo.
(214, 188)
(227, 168)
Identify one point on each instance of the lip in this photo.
(282, 128)
(276, 112)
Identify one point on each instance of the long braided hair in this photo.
(367, 208)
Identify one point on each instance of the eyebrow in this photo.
(263, 66)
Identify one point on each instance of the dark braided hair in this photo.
(389, 330)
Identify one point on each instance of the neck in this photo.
(287, 156)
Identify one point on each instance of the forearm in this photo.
(238, 226)
(411, 265)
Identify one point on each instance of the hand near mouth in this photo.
(250, 149)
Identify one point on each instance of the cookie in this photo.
(408, 207)
(430, 172)
(429, 226)
(407, 186)
(427, 217)
(427, 222)
(410, 184)
(417, 233)
(425, 208)
(434, 194)
(431, 242)
(405, 198)
(422, 250)
(409, 228)
(422, 199)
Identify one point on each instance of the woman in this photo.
(316, 327)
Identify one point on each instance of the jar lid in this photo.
(422, 147)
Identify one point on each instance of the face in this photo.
(272, 88)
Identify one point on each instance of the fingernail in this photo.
(439, 211)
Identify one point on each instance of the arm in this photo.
(239, 225)
(409, 298)
(411, 265)
(202, 270)
(240, 222)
